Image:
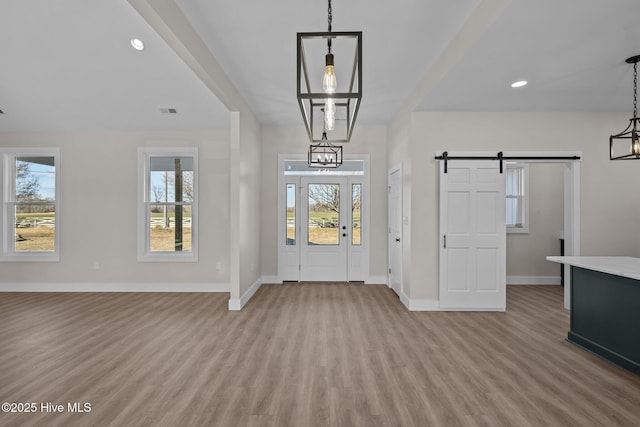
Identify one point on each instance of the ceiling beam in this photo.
(482, 17)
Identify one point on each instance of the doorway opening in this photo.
(535, 222)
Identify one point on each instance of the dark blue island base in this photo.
(605, 316)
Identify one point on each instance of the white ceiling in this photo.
(255, 42)
(572, 52)
(67, 65)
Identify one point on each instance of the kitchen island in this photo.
(605, 307)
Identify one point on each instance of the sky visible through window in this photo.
(162, 179)
(291, 196)
(163, 186)
(46, 176)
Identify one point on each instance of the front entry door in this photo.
(323, 223)
(325, 231)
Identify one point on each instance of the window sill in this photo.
(168, 257)
(30, 257)
(517, 230)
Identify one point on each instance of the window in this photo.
(291, 214)
(356, 202)
(517, 198)
(30, 203)
(168, 209)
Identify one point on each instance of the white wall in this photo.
(369, 140)
(98, 211)
(399, 153)
(526, 253)
(609, 204)
(167, 19)
(250, 208)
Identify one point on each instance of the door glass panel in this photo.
(291, 214)
(356, 200)
(324, 214)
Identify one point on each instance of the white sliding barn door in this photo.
(472, 236)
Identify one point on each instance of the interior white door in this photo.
(473, 236)
(325, 229)
(395, 230)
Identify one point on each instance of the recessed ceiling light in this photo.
(519, 83)
(137, 44)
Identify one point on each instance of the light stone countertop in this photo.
(618, 265)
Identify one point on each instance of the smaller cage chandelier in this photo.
(626, 144)
(325, 154)
(332, 107)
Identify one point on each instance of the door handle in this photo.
(397, 239)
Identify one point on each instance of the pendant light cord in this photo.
(329, 19)
(635, 89)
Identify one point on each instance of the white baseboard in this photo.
(419, 304)
(113, 287)
(376, 280)
(405, 300)
(371, 280)
(424, 305)
(498, 309)
(236, 304)
(533, 280)
(434, 305)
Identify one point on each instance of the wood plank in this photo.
(302, 354)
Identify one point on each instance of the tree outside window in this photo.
(168, 211)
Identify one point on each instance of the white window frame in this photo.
(524, 198)
(144, 204)
(7, 213)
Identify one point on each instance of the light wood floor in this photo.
(303, 355)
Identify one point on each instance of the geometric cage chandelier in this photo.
(324, 154)
(626, 144)
(328, 90)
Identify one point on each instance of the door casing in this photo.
(395, 229)
(289, 256)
